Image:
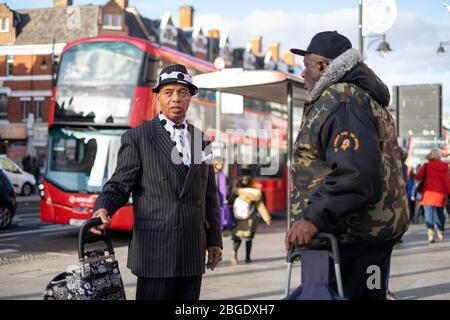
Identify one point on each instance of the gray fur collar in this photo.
(335, 71)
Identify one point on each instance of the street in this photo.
(32, 253)
(28, 236)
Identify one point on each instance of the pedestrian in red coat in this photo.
(435, 191)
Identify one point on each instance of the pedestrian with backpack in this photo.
(248, 207)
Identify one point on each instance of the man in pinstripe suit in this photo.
(175, 199)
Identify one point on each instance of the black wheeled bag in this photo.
(98, 275)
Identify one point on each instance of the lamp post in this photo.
(360, 27)
(440, 50)
(219, 63)
(383, 48)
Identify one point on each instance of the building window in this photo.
(3, 106)
(112, 22)
(38, 108)
(4, 24)
(116, 21)
(107, 21)
(25, 109)
(9, 65)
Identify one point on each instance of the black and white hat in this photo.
(175, 73)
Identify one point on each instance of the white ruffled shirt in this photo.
(184, 144)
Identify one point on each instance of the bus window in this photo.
(97, 80)
(82, 160)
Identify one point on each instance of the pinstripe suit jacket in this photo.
(176, 215)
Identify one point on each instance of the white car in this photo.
(23, 182)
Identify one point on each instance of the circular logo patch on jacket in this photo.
(345, 141)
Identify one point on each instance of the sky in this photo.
(414, 37)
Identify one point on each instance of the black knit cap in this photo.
(328, 44)
(175, 73)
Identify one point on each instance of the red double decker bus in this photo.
(103, 88)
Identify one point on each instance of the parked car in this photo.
(7, 201)
(23, 182)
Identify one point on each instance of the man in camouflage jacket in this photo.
(347, 177)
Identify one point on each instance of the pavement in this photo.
(419, 271)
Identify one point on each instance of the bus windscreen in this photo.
(97, 81)
(82, 160)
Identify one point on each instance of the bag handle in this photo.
(84, 236)
(296, 252)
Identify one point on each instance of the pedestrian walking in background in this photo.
(164, 165)
(27, 163)
(35, 168)
(346, 165)
(224, 188)
(435, 191)
(410, 192)
(248, 208)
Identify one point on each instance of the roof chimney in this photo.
(186, 17)
(274, 47)
(288, 57)
(214, 33)
(256, 43)
(123, 4)
(62, 3)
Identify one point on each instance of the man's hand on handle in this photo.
(300, 234)
(214, 257)
(103, 214)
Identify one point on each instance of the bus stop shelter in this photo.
(268, 85)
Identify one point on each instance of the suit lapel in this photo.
(195, 160)
(163, 142)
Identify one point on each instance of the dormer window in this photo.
(168, 32)
(200, 42)
(4, 24)
(169, 36)
(112, 21)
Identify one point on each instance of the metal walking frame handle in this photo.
(84, 236)
(296, 252)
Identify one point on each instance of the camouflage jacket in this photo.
(346, 172)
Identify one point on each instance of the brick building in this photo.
(31, 42)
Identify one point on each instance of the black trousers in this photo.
(181, 288)
(364, 269)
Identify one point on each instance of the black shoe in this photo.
(248, 260)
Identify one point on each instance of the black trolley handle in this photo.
(84, 236)
(296, 252)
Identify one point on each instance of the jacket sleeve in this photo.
(350, 144)
(117, 190)
(262, 210)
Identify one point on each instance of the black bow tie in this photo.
(178, 126)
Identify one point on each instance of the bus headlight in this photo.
(41, 191)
